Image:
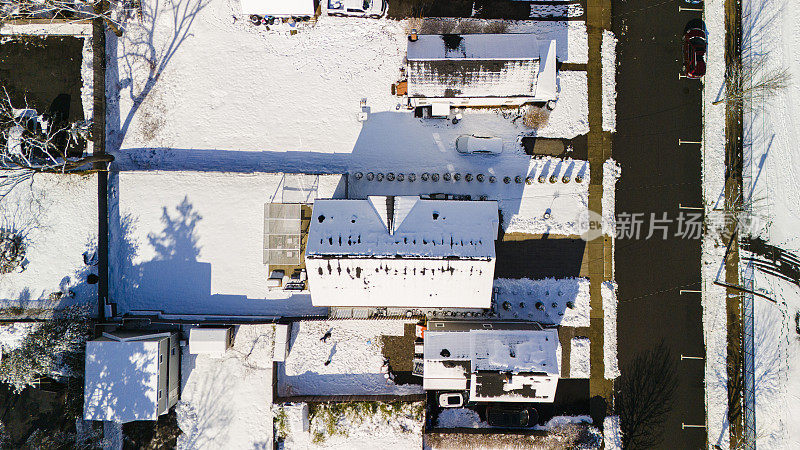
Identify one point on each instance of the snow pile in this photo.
(713, 250)
(460, 418)
(579, 358)
(612, 434)
(562, 302)
(611, 173)
(609, 293)
(352, 425)
(609, 68)
(549, 205)
(349, 362)
(560, 421)
(56, 216)
(226, 401)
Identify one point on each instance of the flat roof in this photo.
(429, 47)
(121, 381)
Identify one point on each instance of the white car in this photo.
(468, 143)
(373, 9)
(451, 400)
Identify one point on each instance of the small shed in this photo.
(279, 8)
(210, 340)
(131, 375)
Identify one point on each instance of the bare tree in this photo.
(110, 11)
(31, 143)
(747, 83)
(644, 395)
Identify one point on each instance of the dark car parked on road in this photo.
(695, 44)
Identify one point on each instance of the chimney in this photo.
(413, 36)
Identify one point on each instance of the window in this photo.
(159, 394)
(173, 351)
(160, 358)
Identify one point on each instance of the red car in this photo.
(695, 43)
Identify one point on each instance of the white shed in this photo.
(210, 340)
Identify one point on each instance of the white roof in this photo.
(515, 350)
(208, 340)
(431, 47)
(402, 283)
(420, 228)
(121, 381)
(493, 350)
(278, 7)
(425, 253)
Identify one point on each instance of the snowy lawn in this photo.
(349, 362)
(192, 242)
(562, 302)
(56, 216)
(226, 401)
(190, 88)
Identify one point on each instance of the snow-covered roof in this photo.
(208, 340)
(431, 47)
(485, 356)
(278, 7)
(400, 282)
(401, 252)
(121, 380)
(483, 65)
(403, 227)
(496, 350)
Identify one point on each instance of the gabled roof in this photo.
(482, 65)
(121, 380)
(403, 227)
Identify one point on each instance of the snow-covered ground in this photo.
(579, 357)
(609, 65)
(56, 215)
(349, 362)
(612, 434)
(772, 164)
(609, 292)
(226, 400)
(192, 242)
(563, 302)
(460, 418)
(713, 296)
(190, 87)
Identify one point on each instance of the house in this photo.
(405, 252)
(279, 8)
(480, 70)
(131, 376)
(494, 361)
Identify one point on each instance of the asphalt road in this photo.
(654, 109)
